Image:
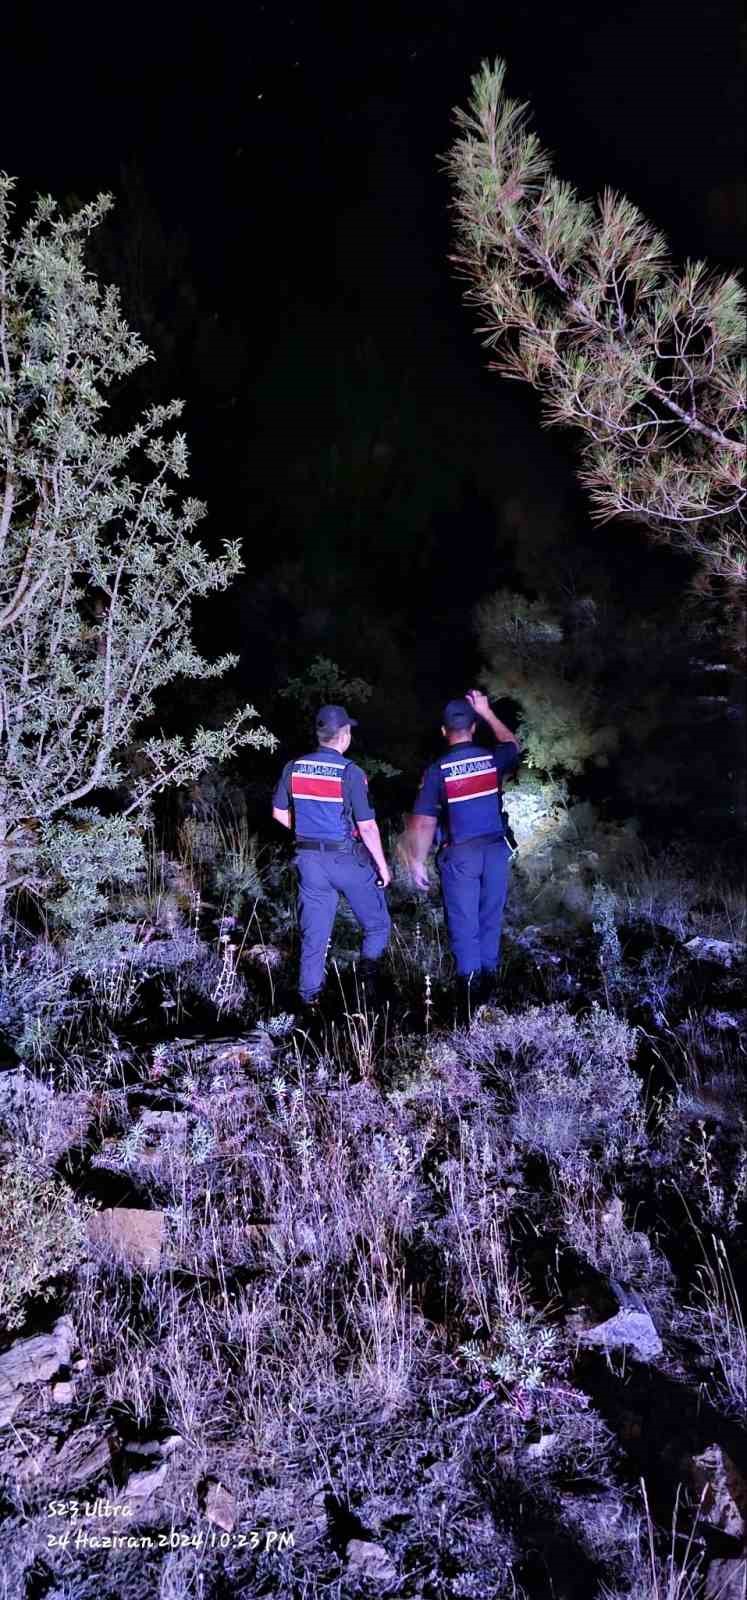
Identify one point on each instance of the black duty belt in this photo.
(479, 838)
(337, 846)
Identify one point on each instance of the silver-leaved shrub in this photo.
(99, 566)
(569, 1079)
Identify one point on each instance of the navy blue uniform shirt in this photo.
(463, 790)
(326, 794)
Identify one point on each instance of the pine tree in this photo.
(645, 361)
(99, 565)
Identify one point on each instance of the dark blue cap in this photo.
(330, 719)
(458, 716)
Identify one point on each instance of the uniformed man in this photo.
(323, 798)
(461, 795)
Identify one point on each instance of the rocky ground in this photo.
(395, 1307)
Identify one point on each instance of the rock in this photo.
(722, 1490)
(238, 1052)
(219, 1505)
(55, 1123)
(171, 1442)
(85, 1455)
(34, 1360)
(372, 1561)
(156, 1447)
(542, 1447)
(310, 1522)
(133, 1234)
(726, 1580)
(63, 1393)
(723, 952)
(628, 1329)
(141, 1485)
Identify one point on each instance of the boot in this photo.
(308, 1015)
(487, 987)
(373, 984)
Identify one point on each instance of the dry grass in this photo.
(354, 1297)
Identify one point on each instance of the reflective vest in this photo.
(321, 808)
(473, 787)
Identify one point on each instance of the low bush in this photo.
(42, 1229)
(569, 1079)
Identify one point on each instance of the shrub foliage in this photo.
(99, 563)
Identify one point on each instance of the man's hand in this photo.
(479, 702)
(419, 835)
(419, 875)
(371, 838)
(481, 706)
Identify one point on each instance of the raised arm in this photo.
(482, 707)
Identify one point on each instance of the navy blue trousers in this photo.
(322, 877)
(474, 881)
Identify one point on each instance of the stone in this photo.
(722, 1491)
(310, 1522)
(726, 1580)
(134, 1234)
(156, 1447)
(85, 1455)
(628, 1329)
(63, 1393)
(34, 1360)
(141, 1485)
(723, 952)
(56, 1122)
(372, 1561)
(219, 1506)
(541, 1447)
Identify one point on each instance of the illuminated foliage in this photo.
(582, 302)
(98, 565)
(536, 658)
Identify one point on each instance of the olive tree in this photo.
(582, 302)
(99, 566)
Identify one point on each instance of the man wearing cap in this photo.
(461, 792)
(323, 798)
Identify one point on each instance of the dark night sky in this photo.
(296, 146)
(270, 114)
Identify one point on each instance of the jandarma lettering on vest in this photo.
(470, 779)
(317, 780)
